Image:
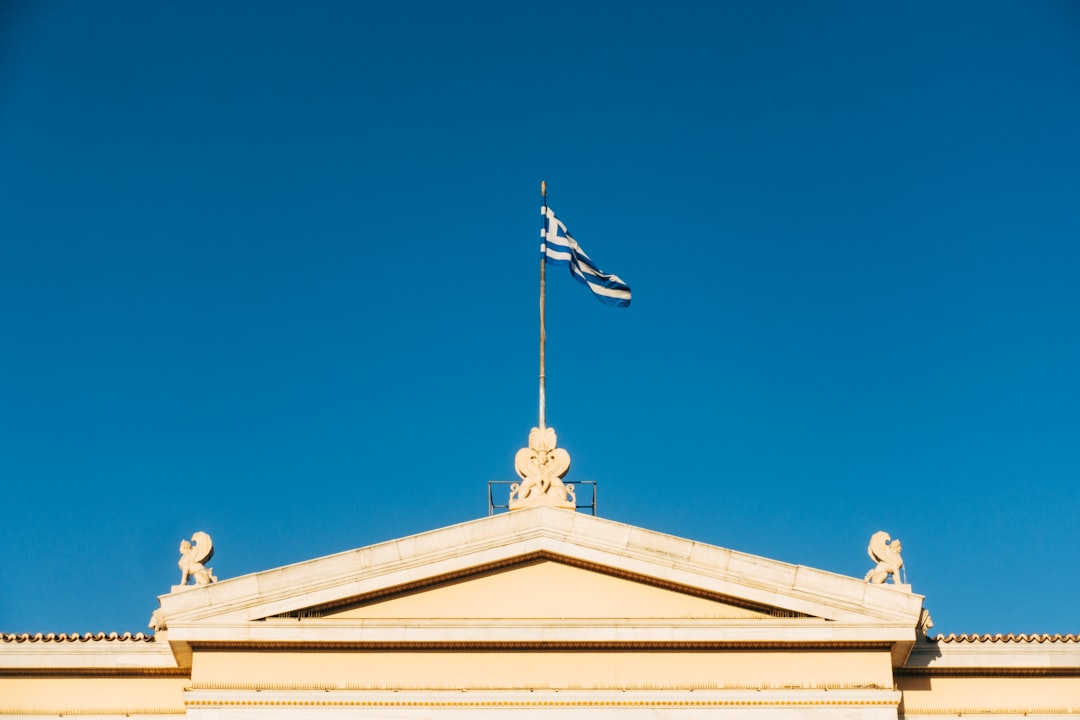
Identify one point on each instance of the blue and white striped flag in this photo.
(558, 248)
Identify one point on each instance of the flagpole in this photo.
(543, 332)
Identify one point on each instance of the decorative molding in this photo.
(976, 710)
(545, 633)
(89, 672)
(995, 672)
(994, 657)
(546, 699)
(75, 637)
(543, 646)
(121, 711)
(457, 690)
(1009, 638)
(570, 704)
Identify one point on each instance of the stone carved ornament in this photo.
(193, 553)
(925, 623)
(887, 556)
(541, 467)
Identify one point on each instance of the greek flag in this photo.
(558, 248)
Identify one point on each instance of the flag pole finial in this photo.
(542, 465)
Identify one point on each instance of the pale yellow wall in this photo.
(547, 589)
(500, 669)
(60, 694)
(989, 693)
(480, 670)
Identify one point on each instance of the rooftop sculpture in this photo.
(193, 553)
(541, 467)
(887, 556)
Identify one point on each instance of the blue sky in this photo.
(270, 271)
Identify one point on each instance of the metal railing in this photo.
(579, 485)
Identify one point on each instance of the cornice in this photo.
(532, 698)
(96, 672)
(128, 713)
(430, 692)
(574, 537)
(1015, 712)
(1004, 653)
(985, 672)
(92, 654)
(544, 631)
(539, 646)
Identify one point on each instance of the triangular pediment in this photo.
(540, 575)
(540, 586)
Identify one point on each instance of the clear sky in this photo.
(270, 270)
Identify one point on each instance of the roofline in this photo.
(501, 538)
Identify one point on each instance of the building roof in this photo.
(75, 637)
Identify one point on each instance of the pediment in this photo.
(537, 587)
(541, 574)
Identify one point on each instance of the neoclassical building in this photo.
(541, 613)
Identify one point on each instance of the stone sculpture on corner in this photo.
(193, 553)
(925, 623)
(887, 556)
(541, 467)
